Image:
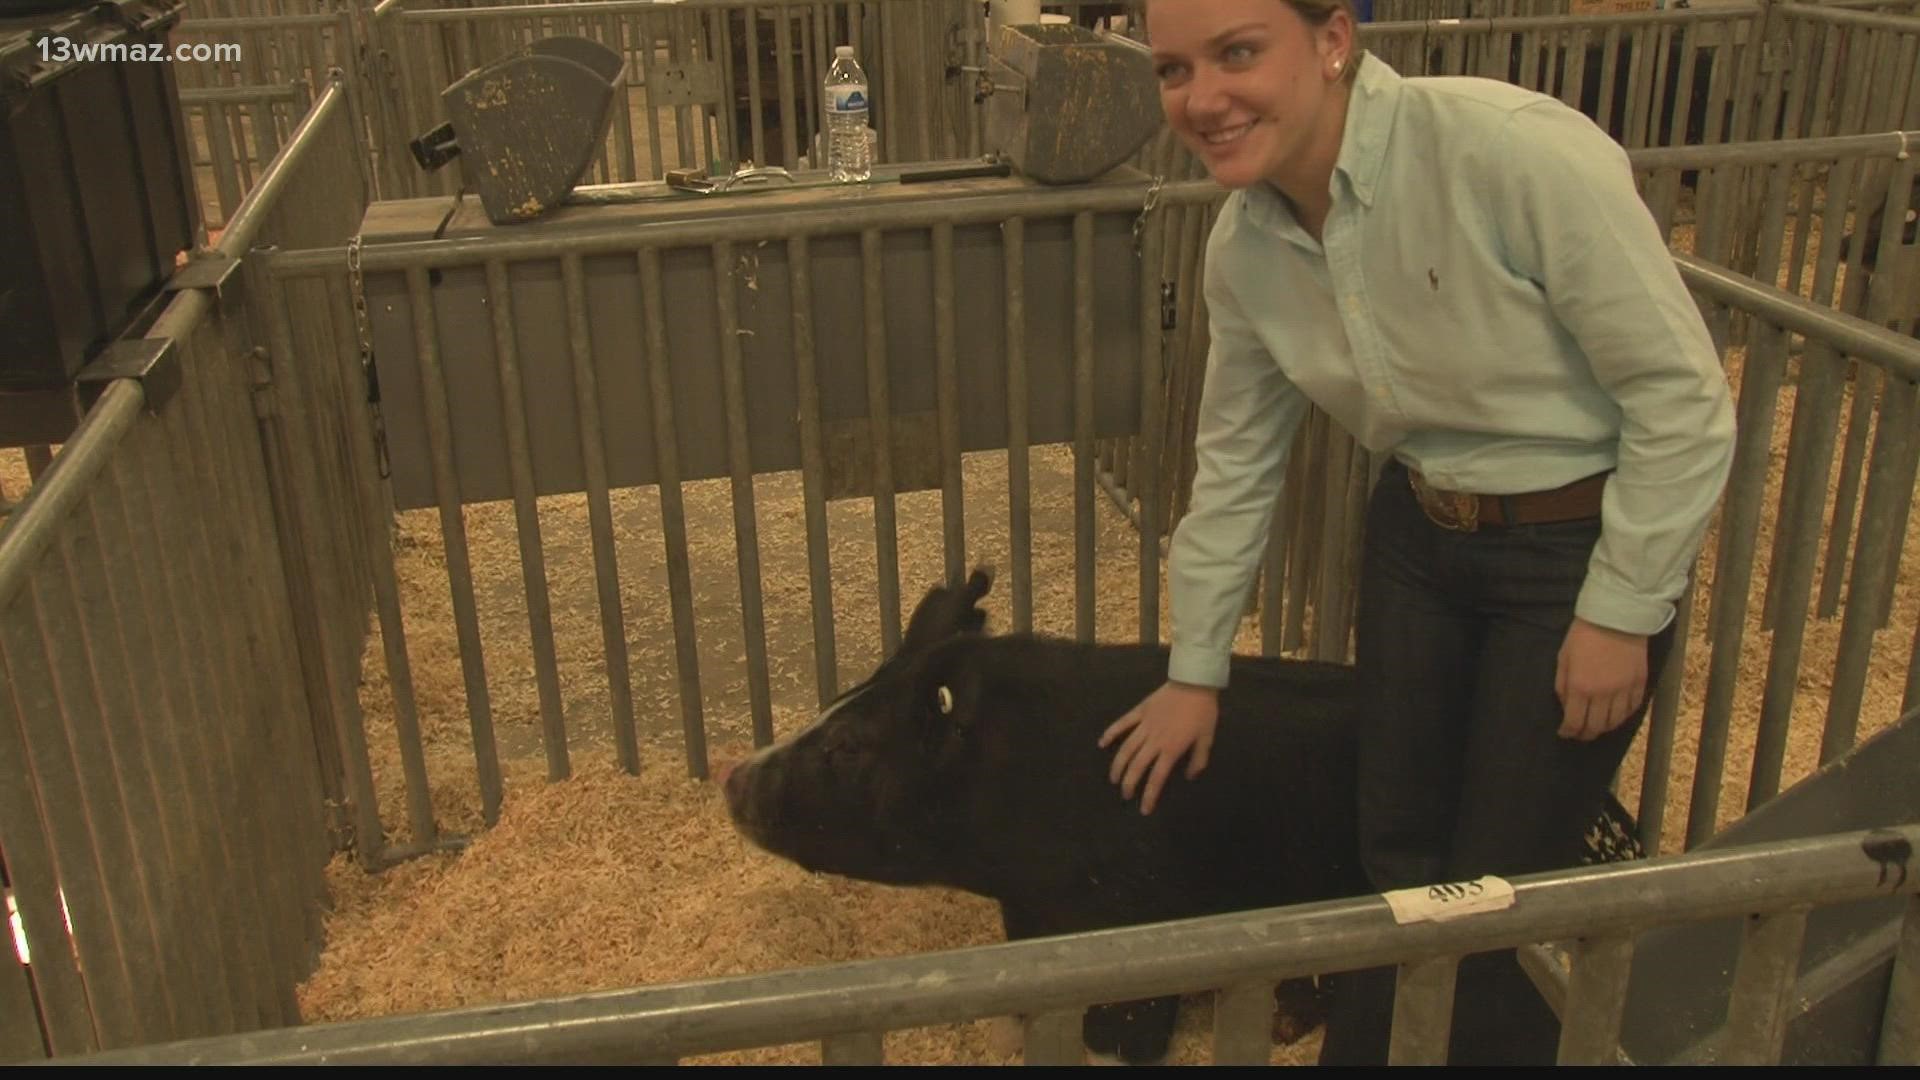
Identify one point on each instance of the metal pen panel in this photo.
(378, 513)
(453, 536)
(243, 747)
(199, 864)
(673, 514)
(107, 737)
(206, 750)
(288, 442)
(746, 535)
(117, 956)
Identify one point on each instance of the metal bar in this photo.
(27, 532)
(1596, 1001)
(1053, 1038)
(1762, 990)
(20, 1037)
(1847, 334)
(891, 117)
(746, 537)
(985, 208)
(1662, 727)
(783, 70)
(673, 513)
(880, 433)
(649, 35)
(782, 1007)
(614, 33)
(1152, 432)
(30, 838)
(1243, 1024)
(1889, 489)
(947, 379)
(1019, 483)
(813, 472)
(1763, 152)
(1900, 1026)
(1083, 493)
(756, 115)
(1846, 488)
(378, 515)
(526, 508)
(682, 127)
(119, 960)
(606, 563)
(1422, 1011)
(453, 535)
(859, 1048)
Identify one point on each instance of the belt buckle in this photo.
(1455, 510)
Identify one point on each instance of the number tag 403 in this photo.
(1449, 900)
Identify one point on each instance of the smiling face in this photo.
(1253, 88)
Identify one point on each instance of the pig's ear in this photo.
(980, 582)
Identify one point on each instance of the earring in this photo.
(1336, 66)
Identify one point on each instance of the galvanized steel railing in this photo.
(242, 129)
(1600, 913)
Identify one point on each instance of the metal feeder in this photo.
(526, 126)
(1067, 104)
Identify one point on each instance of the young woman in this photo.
(1461, 273)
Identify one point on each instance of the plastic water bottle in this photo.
(849, 156)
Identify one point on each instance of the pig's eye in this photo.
(945, 697)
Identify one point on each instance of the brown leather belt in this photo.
(1465, 512)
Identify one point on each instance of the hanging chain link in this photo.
(356, 291)
(1146, 208)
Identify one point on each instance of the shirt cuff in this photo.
(1199, 666)
(1616, 609)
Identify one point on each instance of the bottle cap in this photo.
(845, 51)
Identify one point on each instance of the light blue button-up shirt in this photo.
(1495, 305)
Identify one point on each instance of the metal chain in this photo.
(1152, 200)
(356, 291)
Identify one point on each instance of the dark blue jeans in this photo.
(1462, 770)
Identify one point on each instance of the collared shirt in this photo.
(1494, 304)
